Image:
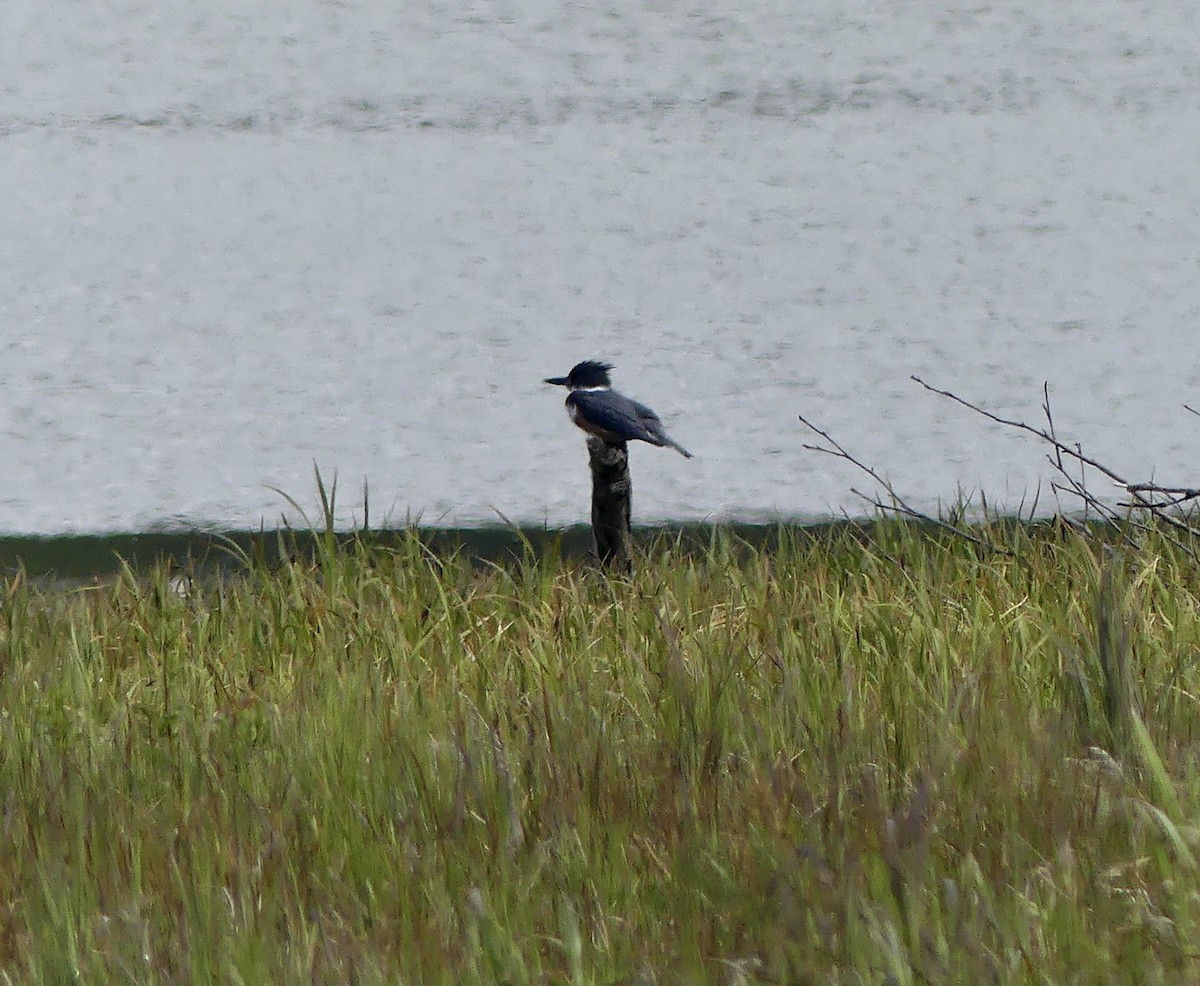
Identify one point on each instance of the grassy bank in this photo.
(65, 558)
(898, 758)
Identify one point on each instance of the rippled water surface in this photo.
(235, 242)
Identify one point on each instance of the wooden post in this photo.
(612, 490)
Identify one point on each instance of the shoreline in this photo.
(74, 558)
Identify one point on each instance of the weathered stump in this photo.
(612, 490)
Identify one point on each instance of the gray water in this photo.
(236, 240)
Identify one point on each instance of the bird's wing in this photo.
(618, 414)
(645, 415)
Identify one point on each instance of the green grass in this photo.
(896, 758)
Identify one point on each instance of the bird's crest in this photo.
(590, 373)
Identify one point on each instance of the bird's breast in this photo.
(581, 421)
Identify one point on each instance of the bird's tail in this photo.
(677, 447)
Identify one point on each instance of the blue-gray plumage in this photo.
(599, 410)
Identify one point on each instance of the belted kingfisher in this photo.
(612, 417)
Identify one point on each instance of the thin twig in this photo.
(1074, 453)
(898, 504)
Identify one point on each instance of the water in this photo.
(235, 242)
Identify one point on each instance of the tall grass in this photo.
(894, 758)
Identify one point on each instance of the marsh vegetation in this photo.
(856, 756)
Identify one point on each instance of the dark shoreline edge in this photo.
(76, 557)
(79, 557)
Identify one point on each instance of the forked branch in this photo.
(1160, 502)
(1147, 501)
(895, 503)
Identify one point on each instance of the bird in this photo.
(614, 418)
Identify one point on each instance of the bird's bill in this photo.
(558, 381)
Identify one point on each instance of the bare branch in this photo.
(1186, 492)
(898, 505)
(1160, 503)
(1061, 447)
(1149, 497)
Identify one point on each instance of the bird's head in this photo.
(589, 373)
